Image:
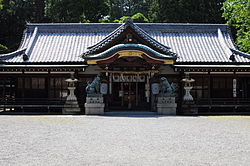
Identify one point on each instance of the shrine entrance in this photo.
(128, 59)
(129, 96)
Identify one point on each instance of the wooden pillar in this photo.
(180, 90)
(244, 87)
(209, 88)
(110, 83)
(110, 91)
(48, 84)
(4, 93)
(48, 89)
(23, 86)
(122, 89)
(148, 88)
(129, 96)
(136, 95)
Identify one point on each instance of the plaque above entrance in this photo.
(129, 54)
(129, 78)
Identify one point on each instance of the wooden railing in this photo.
(31, 102)
(224, 102)
(217, 106)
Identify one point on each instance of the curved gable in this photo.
(138, 50)
(127, 33)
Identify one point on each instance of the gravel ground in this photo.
(121, 140)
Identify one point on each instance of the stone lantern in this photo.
(188, 104)
(71, 87)
(71, 105)
(188, 87)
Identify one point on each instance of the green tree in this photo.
(64, 10)
(39, 10)
(13, 16)
(186, 11)
(76, 10)
(119, 8)
(3, 48)
(138, 17)
(1, 4)
(237, 14)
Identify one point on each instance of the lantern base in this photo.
(188, 109)
(71, 107)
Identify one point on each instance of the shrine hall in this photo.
(96, 68)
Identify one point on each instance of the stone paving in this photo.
(124, 140)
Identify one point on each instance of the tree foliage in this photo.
(237, 14)
(76, 10)
(1, 5)
(120, 8)
(13, 16)
(3, 48)
(186, 11)
(138, 18)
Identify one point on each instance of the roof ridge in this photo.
(156, 23)
(240, 53)
(110, 34)
(12, 54)
(109, 27)
(150, 38)
(223, 44)
(31, 42)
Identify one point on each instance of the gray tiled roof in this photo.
(66, 42)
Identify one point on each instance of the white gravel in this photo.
(132, 140)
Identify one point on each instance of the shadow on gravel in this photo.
(143, 116)
(140, 115)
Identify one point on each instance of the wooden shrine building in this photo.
(129, 58)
